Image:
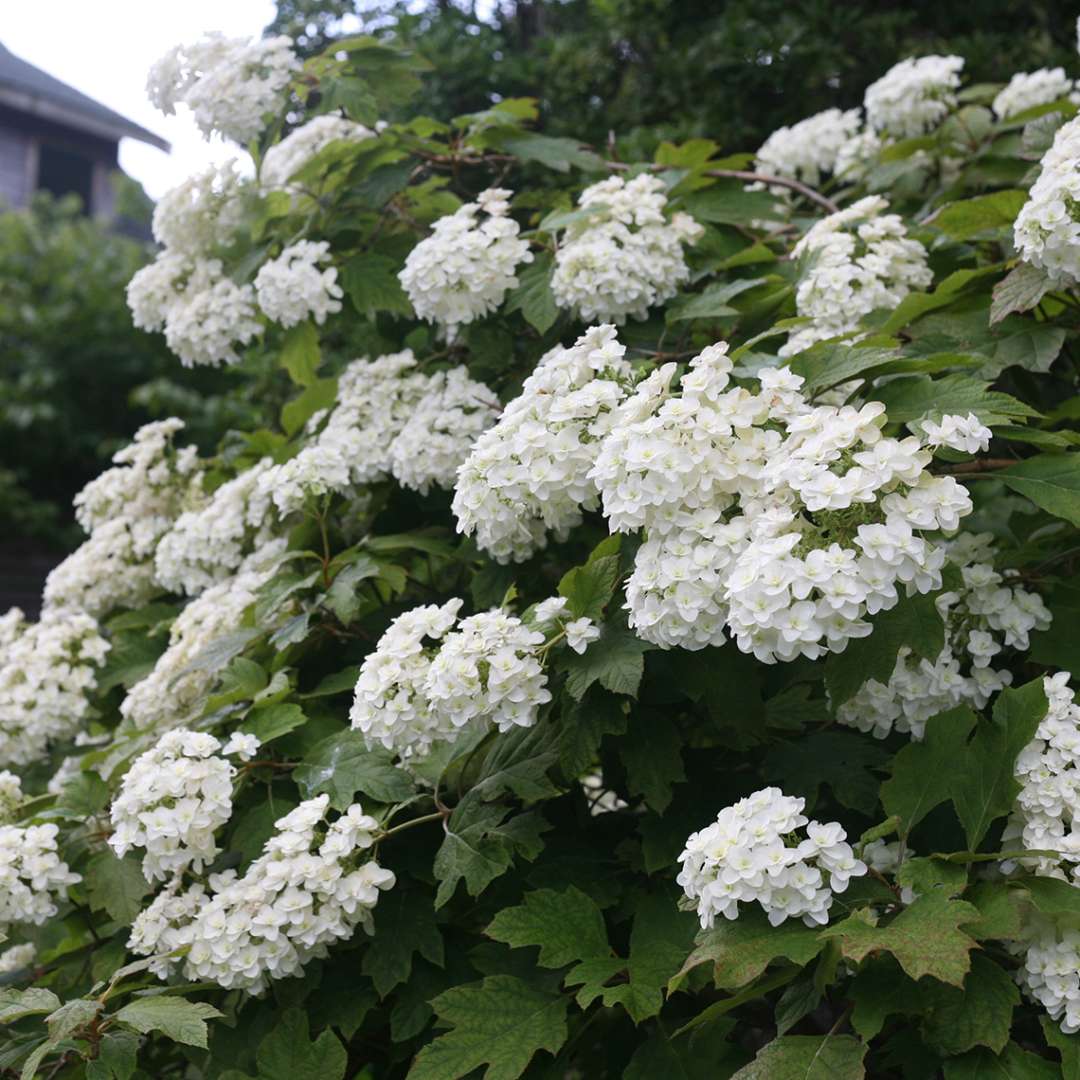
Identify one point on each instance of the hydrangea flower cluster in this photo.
(32, 875)
(982, 618)
(913, 96)
(751, 855)
(1050, 972)
(859, 260)
(11, 795)
(229, 84)
(1047, 229)
(47, 670)
(529, 474)
(208, 543)
(465, 268)
(808, 150)
(126, 510)
(308, 889)
(431, 676)
(854, 157)
(173, 799)
(1027, 89)
(625, 255)
(788, 522)
(286, 158)
(17, 957)
(1047, 812)
(192, 218)
(173, 693)
(292, 287)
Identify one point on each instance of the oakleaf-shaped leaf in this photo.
(807, 1057)
(288, 1053)
(177, 1018)
(567, 926)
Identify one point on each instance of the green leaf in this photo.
(288, 1053)
(343, 597)
(177, 1018)
(914, 623)
(713, 302)
(273, 721)
(925, 937)
(583, 725)
(588, 588)
(342, 765)
(500, 1022)
(1050, 481)
(1035, 347)
(1020, 290)
(923, 874)
(341, 682)
(321, 394)
(557, 153)
(970, 217)
(15, 1004)
(915, 397)
(255, 825)
(880, 990)
(1068, 1046)
(117, 1057)
(1057, 899)
(615, 660)
(406, 927)
(533, 296)
(741, 950)
(843, 760)
(652, 753)
(999, 911)
(807, 1057)
(371, 282)
(116, 886)
(732, 205)
(300, 354)
(567, 926)
(1013, 1064)
(980, 1014)
(828, 364)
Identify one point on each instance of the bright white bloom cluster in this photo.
(11, 795)
(964, 433)
(47, 670)
(914, 95)
(788, 522)
(1047, 812)
(201, 213)
(808, 150)
(229, 84)
(207, 544)
(465, 268)
(388, 421)
(749, 854)
(307, 890)
(203, 312)
(529, 474)
(1047, 229)
(855, 155)
(173, 693)
(173, 799)
(292, 287)
(284, 159)
(431, 676)
(126, 510)
(32, 875)
(1050, 972)
(625, 256)
(982, 618)
(1027, 89)
(17, 957)
(859, 260)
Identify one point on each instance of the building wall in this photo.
(14, 166)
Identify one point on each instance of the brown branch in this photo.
(978, 466)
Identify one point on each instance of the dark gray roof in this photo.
(30, 90)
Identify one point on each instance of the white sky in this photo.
(105, 47)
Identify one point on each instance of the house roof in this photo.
(30, 90)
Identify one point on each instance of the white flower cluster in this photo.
(808, 150)
(855, 156)
(624, 256)
(11, 795)
(1047, 812)
(530, 473)
(431, 676)
(207, 544)
(982, 618)
(229, 84)
(284, 159)
(788, 522)
(204, 313)
(307, 890)
(32, 875)
(201, 213)
(47, 670)
(465, 268)
(859, 260)
(17, 957)
(388, 421)
(913, 96)
(173, 693)
(292, 287)
(1047, 229)
(126, 510)
(749, 854)
(1027, 89)
(173, 799)
(1050, 972)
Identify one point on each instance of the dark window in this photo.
(65, 172)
